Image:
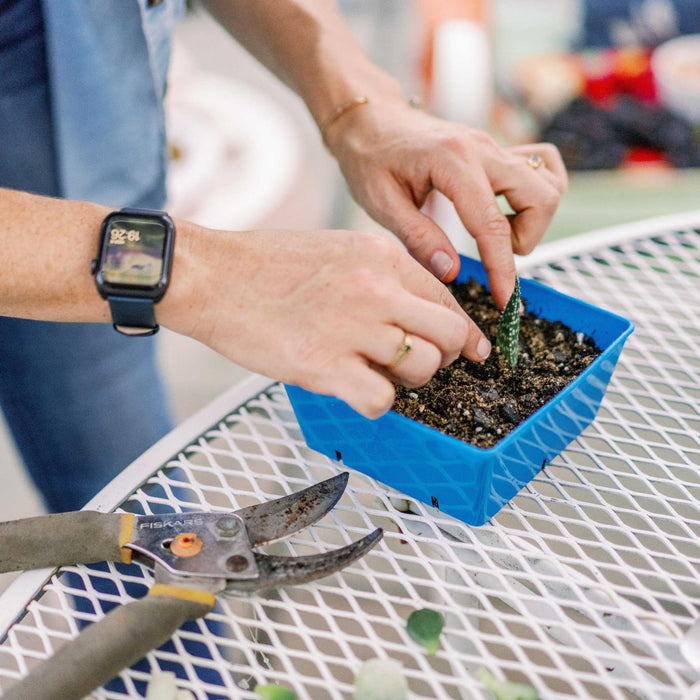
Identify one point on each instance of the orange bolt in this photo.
(186, 544)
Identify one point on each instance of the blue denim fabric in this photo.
(108, 64)
(82, 401)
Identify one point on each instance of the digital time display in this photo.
(134, 252)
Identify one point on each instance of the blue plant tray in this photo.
(467, 482)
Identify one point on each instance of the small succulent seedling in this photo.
(509, 327)
(275, 692)
(425, 626)
(504, 690)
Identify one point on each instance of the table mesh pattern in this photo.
(582, 587)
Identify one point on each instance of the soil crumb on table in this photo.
(481, 403)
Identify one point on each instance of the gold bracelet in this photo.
(340, 111)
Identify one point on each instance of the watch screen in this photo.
(134, 252)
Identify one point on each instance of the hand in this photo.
(325, 310)
(392, 156)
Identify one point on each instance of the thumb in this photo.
(425, 240)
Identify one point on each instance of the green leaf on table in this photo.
(272, 691)
(505, 690)
(424, 626)
(509, 327)
(380, 679)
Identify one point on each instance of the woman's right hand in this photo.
(324, 310)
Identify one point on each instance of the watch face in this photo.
(134, 252)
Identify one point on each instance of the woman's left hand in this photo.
(393, 156)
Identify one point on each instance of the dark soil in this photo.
(481, 403)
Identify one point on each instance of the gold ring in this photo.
(535, 161)
(405, 348)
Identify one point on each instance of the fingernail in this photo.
(440, 264)
(483, 349)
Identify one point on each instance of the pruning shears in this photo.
(195, 556)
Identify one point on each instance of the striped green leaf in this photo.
(509, 327)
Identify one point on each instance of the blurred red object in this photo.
(548, 81)
(644, 156)
(633, 74)
(600, 84)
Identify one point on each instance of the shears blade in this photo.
(274, 520)
(276, 571)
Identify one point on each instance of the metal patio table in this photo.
(584, 586)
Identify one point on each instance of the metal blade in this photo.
(290, 571)
(284, 516)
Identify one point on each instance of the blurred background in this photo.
(614, 83)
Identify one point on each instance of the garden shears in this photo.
(194, 556)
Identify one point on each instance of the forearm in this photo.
(307, 44)
(47, 245)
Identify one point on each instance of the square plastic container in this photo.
(467, 482)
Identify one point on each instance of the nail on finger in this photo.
(440, 264)
(483, 348)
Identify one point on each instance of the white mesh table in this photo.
(584, 586)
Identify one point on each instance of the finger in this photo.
(531, 221)
(414, 367)
(534, 199)
(475, 202)
(555, 168)
(425, 240)
(543, 173)
(451, 331)
(429, 319)
(530, 224)
(361, 387)
(445, 329)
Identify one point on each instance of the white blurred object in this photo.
(690, 646)
(462, 84)
(380, 679)
(237, 155)
(237, 159)
(462, 91)
(163, 686)
(676, 68)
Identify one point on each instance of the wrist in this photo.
(357, 127)
(333, 77)
(179, 309)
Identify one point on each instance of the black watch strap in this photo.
(134, 315)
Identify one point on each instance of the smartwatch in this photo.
(132, 267)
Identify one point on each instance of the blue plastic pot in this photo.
(467, 482)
